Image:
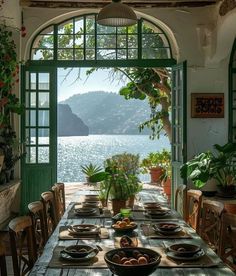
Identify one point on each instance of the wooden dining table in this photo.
(46, 266)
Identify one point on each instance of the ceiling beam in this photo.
(102, 3)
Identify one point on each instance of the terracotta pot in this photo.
(130, 201)
(156, 173)
(117, 205)
(167, 187)
(103, 202)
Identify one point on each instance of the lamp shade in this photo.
(116, 14)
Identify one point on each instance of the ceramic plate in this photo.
(67, 257)
(194, 257)
(168, 232)
(85, 211)
(83, 228)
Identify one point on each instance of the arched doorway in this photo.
(81, 42)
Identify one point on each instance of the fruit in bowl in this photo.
(184, 249)
(126, 241)
(124, 225)
(137, 261)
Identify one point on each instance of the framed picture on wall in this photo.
(207, 105)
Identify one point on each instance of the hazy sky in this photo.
(97, 81)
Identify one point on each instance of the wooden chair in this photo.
(180, 200)
(3, 266)
(227, 245)
(193, 208)
(23, 246)
(49, 212)
(37, 214)
(59, 196)
(211, 223)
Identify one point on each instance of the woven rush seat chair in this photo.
(58, 190)
(23, 245)
(211, 223)
(227, 241)
(49, 212)
(193, 208)
(3, 266)
(36, 211)
(180, 200)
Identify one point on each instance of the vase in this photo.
(167, 187)
(156, 173)
(130, 201)
(118, 204)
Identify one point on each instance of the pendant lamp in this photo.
(116, 14)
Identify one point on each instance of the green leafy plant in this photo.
(219, 165)
(156, 159)
(119, 179)
(90, 169)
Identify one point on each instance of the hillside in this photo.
(70, 124)
(109, 113)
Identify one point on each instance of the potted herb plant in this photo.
(218, 165)
(118, 179)
(154, 163)
(89, 170)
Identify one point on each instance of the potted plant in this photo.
(154, 163)
(90, 170)
(166, 177)
(118, 180)
(218, 165)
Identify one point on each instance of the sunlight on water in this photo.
(75, 151)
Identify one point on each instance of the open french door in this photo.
(39, 132)
(179, 123)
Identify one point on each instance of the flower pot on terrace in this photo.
(228, 191)
(117, 204)
(156, 173)
(167, 187)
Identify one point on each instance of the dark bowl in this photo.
(184, 249)
(151, 205)
(166, 226)
(79, 251)
(90, 204)
(91, 198)
(138, 269)
(158, 212)
(85, 211)
(126, 229)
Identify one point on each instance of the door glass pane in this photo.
(33, 99)
(33, 81)
(27, 118)
(31, 154)
(32, 136)
(43, 100)
(27, 136)
(43, 81)
(43, 118)
(27, 80)
(32, 117)
(43, 136)
(43, 154)
(27, 99)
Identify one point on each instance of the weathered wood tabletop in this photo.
(41, 267)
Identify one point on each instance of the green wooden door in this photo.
(179, 120)
(39, 132)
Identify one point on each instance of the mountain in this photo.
(109, 113)
(70, 124)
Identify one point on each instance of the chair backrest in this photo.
(23, 246)
(193, 208)
(37, 214)
(59, 196)
(211, 222)
(227, 245)
(180, 200)
(3, 266)
(49, 211)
